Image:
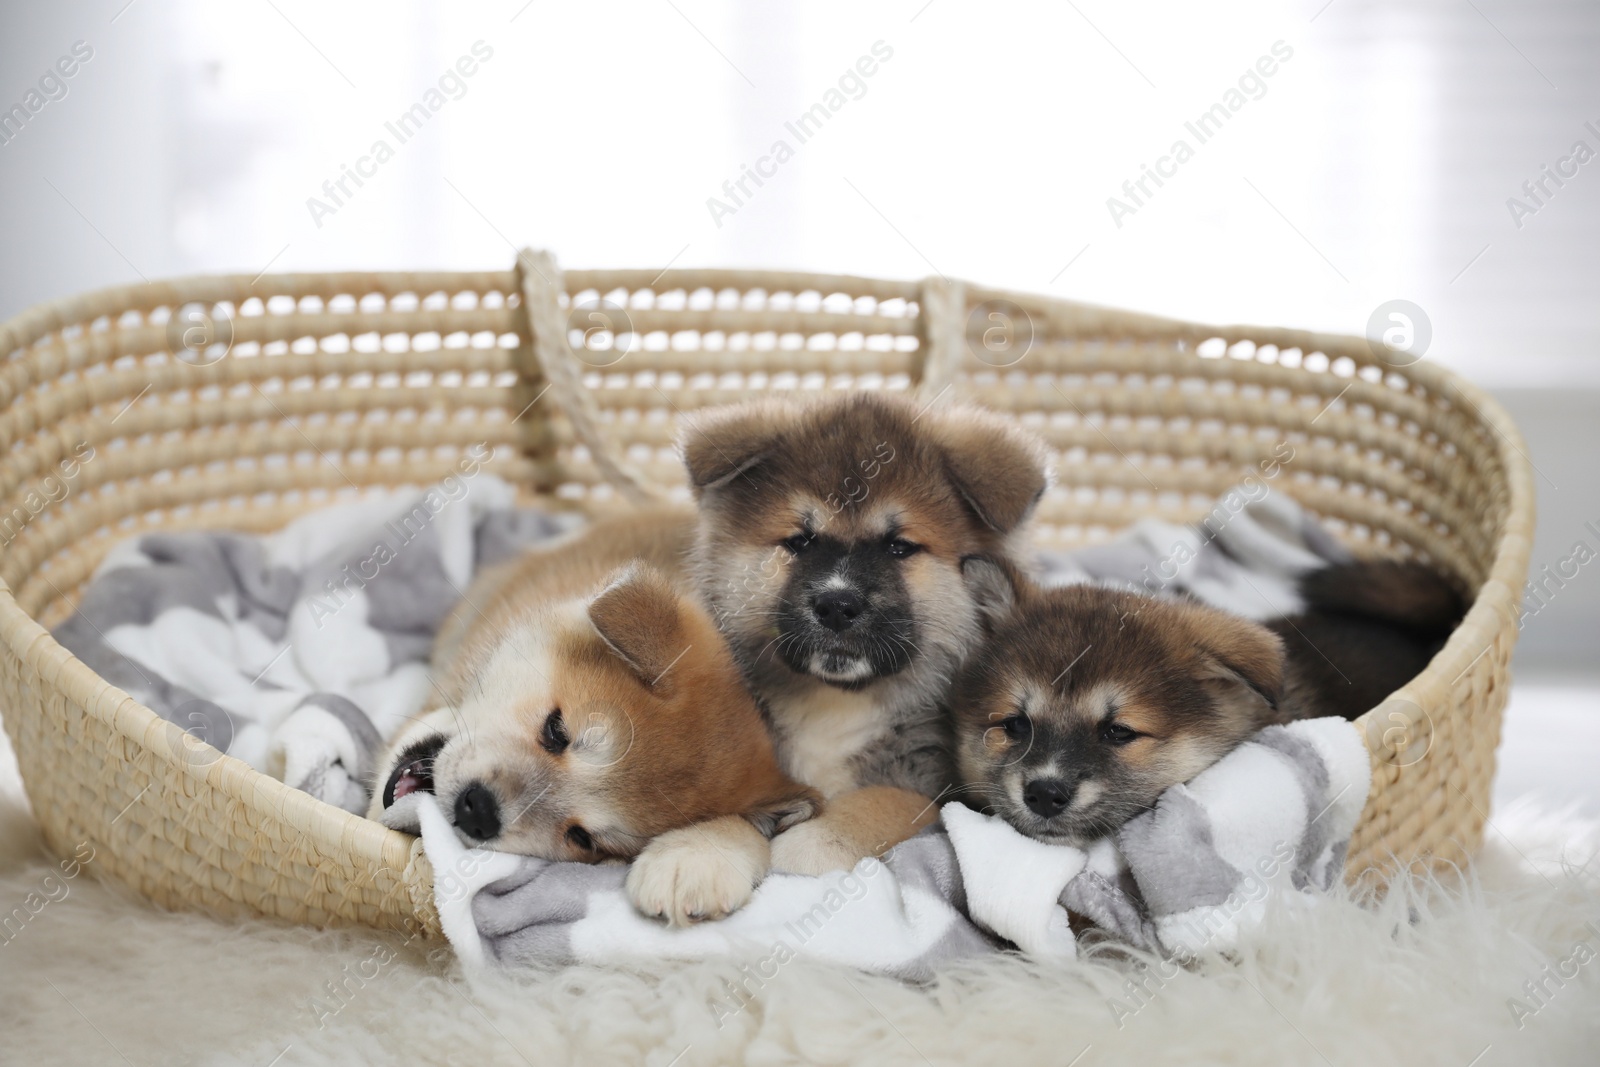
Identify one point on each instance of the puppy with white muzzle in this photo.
(588, 709)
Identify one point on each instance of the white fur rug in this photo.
(1430, 976)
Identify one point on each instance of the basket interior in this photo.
(239, 403)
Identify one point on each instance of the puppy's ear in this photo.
(718, 446)
(995, 588)
(998, 469)
(1241, 663)
(640, 617)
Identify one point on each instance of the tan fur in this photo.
(660, 733)
(576, 568)
(859, 823)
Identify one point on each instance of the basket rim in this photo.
(1495, 605)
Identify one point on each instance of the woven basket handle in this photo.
(539, 279)
(943, 324)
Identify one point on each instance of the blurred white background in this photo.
(1376, 162)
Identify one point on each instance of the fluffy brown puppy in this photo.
(831, 537)
(1086, 703)
(587, 709)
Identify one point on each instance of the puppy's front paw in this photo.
(813, 848)
(685, 876)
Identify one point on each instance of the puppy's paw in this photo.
(813, 848)
(686, 876)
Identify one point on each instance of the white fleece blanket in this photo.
(1273, 816)
(298, 652)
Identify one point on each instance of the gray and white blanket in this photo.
(300, 651)
(1272, 817)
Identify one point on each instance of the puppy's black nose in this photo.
(1046, 797)
(478, 812)
(837, 609)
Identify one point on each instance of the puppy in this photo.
(1085, 703)
(830, 542)
(588, 709)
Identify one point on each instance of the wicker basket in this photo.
(241, 402)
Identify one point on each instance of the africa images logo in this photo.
(1251, 85)
(452, 85)
(851, 85)
(52, 86)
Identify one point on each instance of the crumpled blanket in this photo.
(301, 651)
(1273, 816)
(1245, 555)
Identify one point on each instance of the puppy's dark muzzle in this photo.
(478, 812)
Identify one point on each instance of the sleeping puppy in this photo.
(587, 709)
(1086, 704)
(830, 542)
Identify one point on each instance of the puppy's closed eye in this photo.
(553, 735)
(578, 837)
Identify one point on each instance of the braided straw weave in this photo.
(239, 403)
